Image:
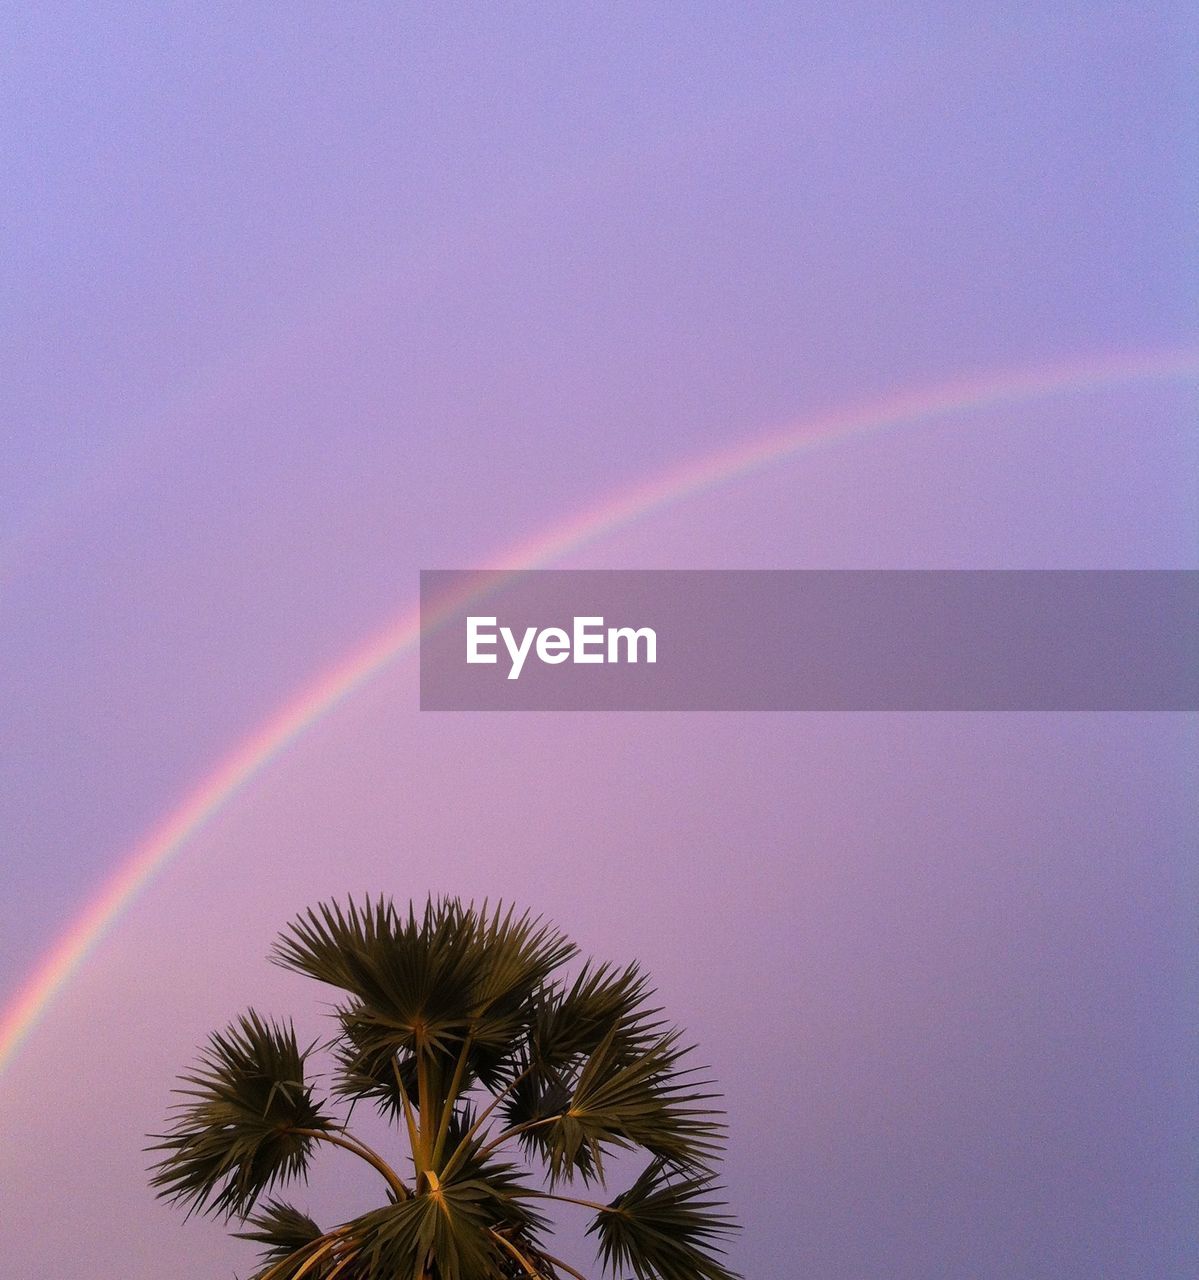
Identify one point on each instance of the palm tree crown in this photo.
(509, 1081)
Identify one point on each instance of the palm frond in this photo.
(667, 1226)
(370, 1073)
(602, 1001)
(246, 1124)
(651, 1099)
(412, 979)
(520, 955)
(282, 1229)
(617, 1100)
(449, 1232)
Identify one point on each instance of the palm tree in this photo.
(512, 1084)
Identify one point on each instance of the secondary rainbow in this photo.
(316, 700)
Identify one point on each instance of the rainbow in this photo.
(318, 699)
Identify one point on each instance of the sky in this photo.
(298, 302)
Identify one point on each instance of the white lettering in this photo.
(475, 637)
(553, 645)
(630, 637)
(518, 653)
(585, 642)
(583, 637)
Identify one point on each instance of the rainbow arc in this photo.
(314, 702)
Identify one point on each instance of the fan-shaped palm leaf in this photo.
(248, 1122)
(282, 1229)
(665, 1227)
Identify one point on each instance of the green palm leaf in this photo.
(412, 980)
(614, 1100)
(454, 1232)
(601, 1002)
(282, 1229)
(369, 1072)
(665, 1227)
(247, 1122)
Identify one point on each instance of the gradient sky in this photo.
(297, 303)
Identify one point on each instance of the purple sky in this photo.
(297, 303)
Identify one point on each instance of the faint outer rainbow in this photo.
(315, 701)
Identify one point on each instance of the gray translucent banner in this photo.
(810, 640)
